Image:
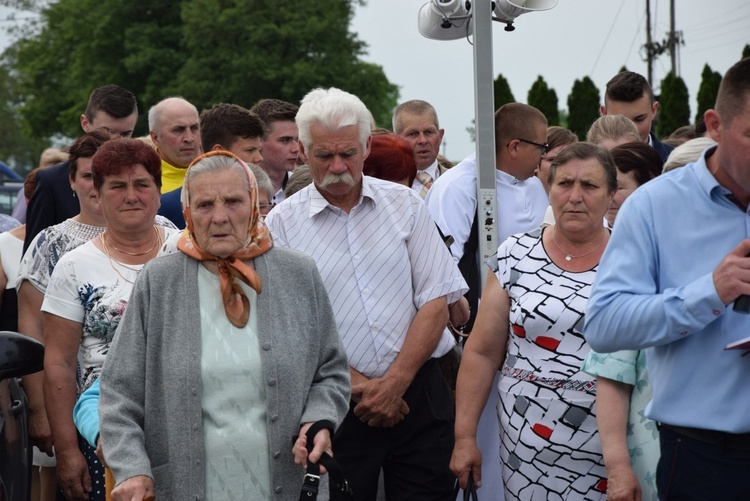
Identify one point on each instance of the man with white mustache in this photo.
(390, 279)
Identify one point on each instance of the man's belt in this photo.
(740, 441)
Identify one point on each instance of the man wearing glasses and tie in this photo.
(417, 122)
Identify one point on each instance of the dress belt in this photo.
(740, 441)
(563, 384)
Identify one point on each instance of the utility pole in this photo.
(673, 39)
(649, 45)
(655, 49)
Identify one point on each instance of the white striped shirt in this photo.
(380, 263)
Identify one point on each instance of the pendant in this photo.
(568, 257)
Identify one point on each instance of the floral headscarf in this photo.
(236, 304)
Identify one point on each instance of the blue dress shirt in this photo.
(654, 289)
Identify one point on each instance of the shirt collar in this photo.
(709, 183)
(318, 203)
(705, 178)
(168, 165)
(503, 177)
(432, 170)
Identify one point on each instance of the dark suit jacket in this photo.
(171, 208)
(662, 149)
(52, 202)
(441, 169)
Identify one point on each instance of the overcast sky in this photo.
(575, 39)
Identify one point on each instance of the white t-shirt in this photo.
(89, 288)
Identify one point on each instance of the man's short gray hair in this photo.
(413, 107)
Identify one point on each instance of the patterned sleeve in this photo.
(170, 243)
(163, 221)
(505, 261)
(62, 296)
(35, 263)
(619, 366)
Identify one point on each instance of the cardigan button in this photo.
(277, 454)
(271, 382)
(266, 346)
(274, 418)
(278, 490)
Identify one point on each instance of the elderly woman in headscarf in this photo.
(228, 349)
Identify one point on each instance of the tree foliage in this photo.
(707, 91)
(746, 51)
(544, 99)
(17, 148)
(502, 93)
(674, 106)
(583, 106)
(207, 51)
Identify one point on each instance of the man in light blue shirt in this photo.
(677, 261)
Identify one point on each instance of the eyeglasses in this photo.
(543, 148)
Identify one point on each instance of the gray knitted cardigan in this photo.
(150, 404)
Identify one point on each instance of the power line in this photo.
(733, 14)
(604, 45)
(635, 37)
(712, 38)
(719, 26)
(713, 47)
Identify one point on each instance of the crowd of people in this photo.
(210, 292)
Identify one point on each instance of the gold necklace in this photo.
(136, 254)
(112, 262)
(568, 255)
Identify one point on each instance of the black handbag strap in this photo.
(470, 493)
(311, 484)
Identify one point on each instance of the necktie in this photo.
(426, 181)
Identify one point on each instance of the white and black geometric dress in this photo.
(550, 445)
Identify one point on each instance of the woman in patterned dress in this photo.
(529, 325)
(87, 294)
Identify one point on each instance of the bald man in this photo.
(175, 130)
